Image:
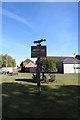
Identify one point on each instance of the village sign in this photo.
(38, 52)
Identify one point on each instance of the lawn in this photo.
(57, 100)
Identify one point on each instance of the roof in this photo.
(29, 63)
(59, 58)
(64, 59)
(71, 60)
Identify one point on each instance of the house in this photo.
(71, 65)
(28, 66)
(66, 64)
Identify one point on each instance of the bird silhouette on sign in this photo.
(39, 41)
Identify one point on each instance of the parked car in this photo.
(9, 70)
(3, 70)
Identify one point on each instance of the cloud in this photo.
(16, 17)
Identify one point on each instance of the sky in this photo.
(24, 22)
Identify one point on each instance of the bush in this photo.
(34, 77)
(48, 65)
(46, 79)
(52, 78)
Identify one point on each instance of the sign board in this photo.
(38, 51)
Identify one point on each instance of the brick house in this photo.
(28, 66)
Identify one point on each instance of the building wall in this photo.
(69, 68)
(29, 69)
(33, 69)
(59, 67)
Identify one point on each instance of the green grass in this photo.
(57, 100)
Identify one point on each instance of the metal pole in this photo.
(6, 63)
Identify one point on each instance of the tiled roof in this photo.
(29, 63)
(71, 60)
(59, 58)
(64, 59)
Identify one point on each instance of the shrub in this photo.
(52, 78)
(34, 77)
(46, 79)
(48, 65)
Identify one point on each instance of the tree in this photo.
(48, 65)
(22, 66)
(10, 61)
(78, 57)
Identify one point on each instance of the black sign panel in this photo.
(38, 51)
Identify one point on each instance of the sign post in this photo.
(38, 75)
(38, 51)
